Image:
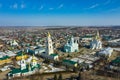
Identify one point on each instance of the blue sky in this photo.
(59, 12)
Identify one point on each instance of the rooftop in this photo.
(116, 61)
(69, 61)
(4, 57)
(53, 55)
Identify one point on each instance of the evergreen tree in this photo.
(72, 78)
(60, 77)
(79, 76)
(55, 77)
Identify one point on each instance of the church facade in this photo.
(71, 46)
(96, 43)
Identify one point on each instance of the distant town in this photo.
(60, 53)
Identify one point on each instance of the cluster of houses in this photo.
(72, 45)
(4, 60)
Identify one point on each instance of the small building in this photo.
(86, 38)
(30, 51)
(69, 63)
(5, 59)
(39, 50)
(20, 54)
(13, 43)
(10, 53)
(36, 50)
(53, 57)
(106, 52)
(71, 46)
(115, 64)
(1, 45)
(5, 68)
(2, 54)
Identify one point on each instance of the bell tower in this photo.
(49, 46)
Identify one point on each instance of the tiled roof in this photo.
(18, 70)
(20, 53)
(53, 55)
(69, 61)
(4, 57)
(116, 61)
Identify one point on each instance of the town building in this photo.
(96, 43)
(25, 69)
(38, 50)
(71, 46)
(5, 59)
(10, 53)
(86, 38)
(105, 52)
(13, 43)
(114, 64)
(49, 54)
(69, 63)
(20, 54)
(1, 46)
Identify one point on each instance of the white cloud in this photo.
(15, 6)
(51, 8)
(107, 2)
(93, 6)
(60, 6)
(115, 9)
(0, 5)
(22, 6)
(41, 7)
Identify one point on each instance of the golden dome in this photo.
(49, 34)
(34, 59)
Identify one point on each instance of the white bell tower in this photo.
(49, 46)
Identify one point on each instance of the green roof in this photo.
(20, 53)
(87, 36)
(116, 61)
(69, 61)
(53, 54)
(18, 70)
(4, 57)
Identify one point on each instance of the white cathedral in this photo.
(71, 46)
(96, 43)
(49, 54)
